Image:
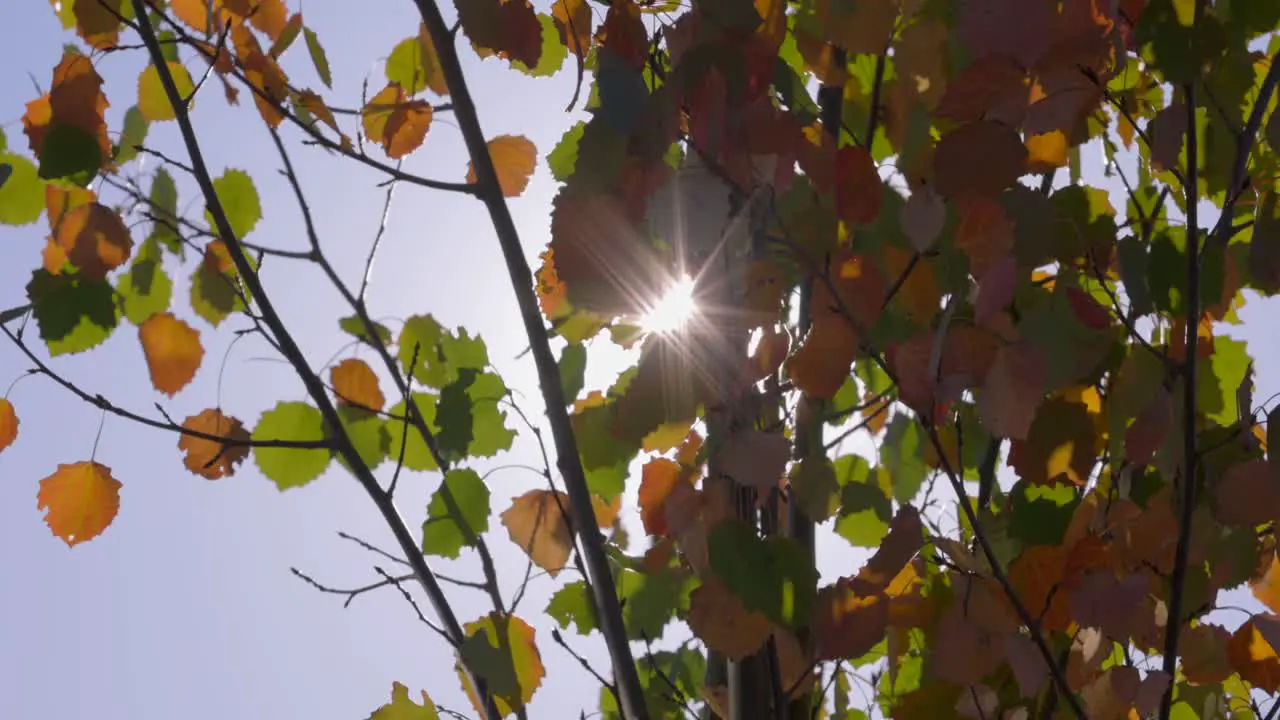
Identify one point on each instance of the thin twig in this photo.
(559, 640)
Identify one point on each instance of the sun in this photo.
(673, 310)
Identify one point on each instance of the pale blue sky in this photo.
(185, 606)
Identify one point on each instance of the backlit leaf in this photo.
(173, 351)
(981, 158)
(153, 102)
(211, 459)
(536, 522)
(239, 199)
(355, 382)
(318, 57)
(514, 159)
(22, 193)
(291, 467)
(146, 289)
(80, 499)
(501, 649)
(395, 122)
(73, 313)
(509, 28)
(720, 620)
(8, 424)
(402, 707)
(414, 66)
(94, 238)
(445, 533)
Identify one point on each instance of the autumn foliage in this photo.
(1062, 466)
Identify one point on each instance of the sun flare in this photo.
(673, 310)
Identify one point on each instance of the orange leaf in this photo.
(573, 20)
(1047, 151)
(173, 351)
(81, 498)
(514, 159)
(75, 100)
(984, 233)
(98, 21)
(822, 363)
(502, 649)
(658, 478)
(208, 458)
(606, 512)
(904, 540)
(719, 619)
(1267, 587)
(1253, 655)
(94, 239)
(981, 158)
(8, 424)
(396, 122)
(846, 624)
(536, 523)
(354, 382)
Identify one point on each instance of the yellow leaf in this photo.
(354, 382)
(81, 498)
(537, 524)
(573, 20)
(396, 122)
(8, 424)
(173, 351)
(1253, 656)
(97, 21)
(152, 100)
(208, 458)
(94, 239)
(514, 159)
(1046, 152)
(402, 707)
(501, 650)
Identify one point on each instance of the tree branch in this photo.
(289, 347)
(630, 692)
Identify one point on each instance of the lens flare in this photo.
(673, 310)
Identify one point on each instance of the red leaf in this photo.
(859, 191)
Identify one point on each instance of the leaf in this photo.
(537, 524)
(153, 102)
(846, 624)
(1252, 654)
(239, 200)
(445, 533)
(922, 218)
(1166, 131)
(8, 424)
(22, 193)
(1047, 151)
(769, 575)
(720, 620)
(69, 153)
(406, 442)
(572, 366)
(514, 160)
(1248, 494)
(318, 57)
(414, 66)
(173, 351)
(1204, 654)
(216, 290)
(572, 604)
(859, 191)
(395, 122)
(368, 433)
(402, 707)
(354, 326)
(291, 467)
(509, 28)
(94, 238)
(815, 488)
(355, 382)
(164, 208)
(981, 158)
(501, 649)
(146, 289)
(574, 21)
(73, 313)
(1013, 391)
(81, 500)
(208, 458)
(754, 458)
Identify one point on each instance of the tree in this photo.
(866, 203)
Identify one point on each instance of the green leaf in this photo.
(405, 66)
(71, 153)
(318, 57)
(164, 206)
(417, 456)
(146, 289)
(73, 314)
(424, 333)
(153, 101)
(501, 649)
(1039, 514)
(461, 351)
(291, 467)
(368, 433)
(651, 600)
(815, 488)
(4, 141)
(22, 194)
(1219, 377)
(287, 37)
(564, 156)
(402, 707)
(354, 326)
(771, 576)
(444, 533)
(133, 134)
(489, 432)
(605, 456)
(239, 200)
(865, 513)
(902, 456)
(215, 295)
(572, 605)
(453, 413)
(573, 367)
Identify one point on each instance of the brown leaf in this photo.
(1253, 656)
(1018, 29)
(509, 28)
(94, 239)
(981, 158)
(719, 619)
(173, 351)
(81, 498)
(963, 652)
(985, 87)
(536, 523)
(846, 624)
(1166, 131)
(573, 20)
(984, 232)
(754, 458)
(1013, 390)
(355, 382)
(208, 458)
(1248, 494)
(1204, 654)
(859, 190)
(1148, 432)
